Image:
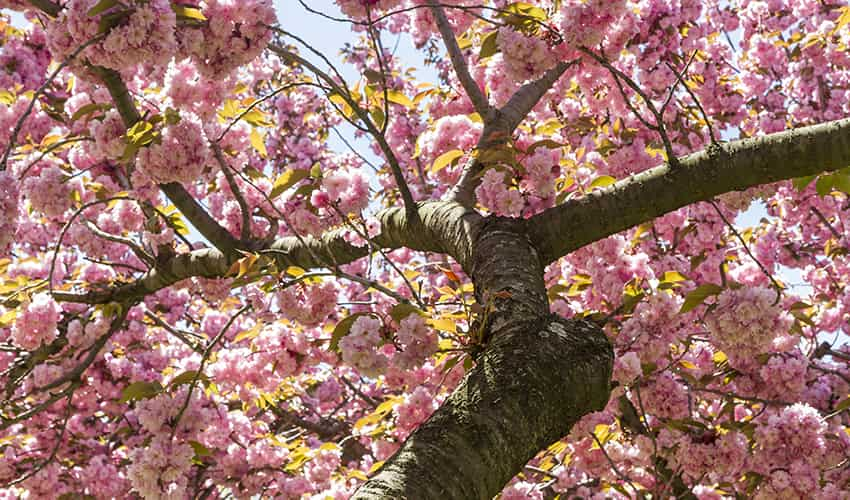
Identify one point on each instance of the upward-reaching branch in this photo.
(188, 206)
(500, 124)
(406, 196)
(523, 101)
(473, 91)
(721, 168)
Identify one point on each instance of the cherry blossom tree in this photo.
(529, 282)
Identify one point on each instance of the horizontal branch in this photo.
(448, 229)
(721, 168)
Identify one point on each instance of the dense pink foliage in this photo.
(321, 376)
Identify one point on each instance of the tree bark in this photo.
(733, 166)
(537, 376)
(526, 391)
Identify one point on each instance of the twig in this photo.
(200, 369)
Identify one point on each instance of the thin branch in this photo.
(363, 115)
(234, 188)
(38, 92)
(473, 91)
(500, 124)
(137, 250)
(659, 119)
(174, 331)
(188, 206)
(776, 286)
(200, 370)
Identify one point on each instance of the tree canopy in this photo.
(229, 269)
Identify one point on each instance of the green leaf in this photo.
(401, 311)
(545, 143)
(801, 183)
(342, 329)
(489, 45)
(824, 185)
(109, 21)
(87, 110)
(841, 182)
(186, 378)
(372, 76)
(844, 405)
(101, 6)
(140, 390)
(286, 180)
(602, 182)
(698, 296)
(199, 449)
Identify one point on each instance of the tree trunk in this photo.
(538, 375)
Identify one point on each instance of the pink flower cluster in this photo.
(49, 191)
(584, 23)
(746, 323)
(419, 341)
(36, 324)
(525, 57)
(495, 195)
(234, 35)
(145, 35)
(181, 154)
(308, 305)
(358, 9)
(360, 347)
(108, 135)
(348, 190)
(160, 470)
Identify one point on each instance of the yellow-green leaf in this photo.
(698, 296)
(140, 390)
(259, 142)
(602, 182)
(446, 159)
(673, 277)
(399, 98)
(286, 180)
(250, 333)
(489, 45)
(188, 13)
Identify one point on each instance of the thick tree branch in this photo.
(188, 206)
(525, 393)
(473, 91)
(448, 228)
(537, 376)
(524, 100)
(733, 166)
